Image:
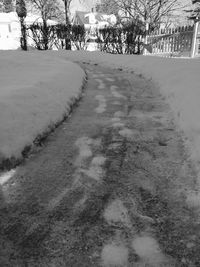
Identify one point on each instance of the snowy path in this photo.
(108, 188)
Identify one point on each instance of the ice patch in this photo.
(113, 87)
(95, 75)
(101, 84)
(101, 108)
(102, 104)
(99, 160)
(119, 114)
(115, 93)
(193, 199)
(83, 143)
(6, 177)
(114, 256)
(110, 79)
(95, 171)
(127, 133)
(115, 119)
(118, 125)
(147, 248)
(117, 103)
(116, 212)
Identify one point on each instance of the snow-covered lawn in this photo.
(36, 90)
(178, 79)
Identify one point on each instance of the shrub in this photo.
(123, 39)
(46, 37)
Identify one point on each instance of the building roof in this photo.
(80, 17)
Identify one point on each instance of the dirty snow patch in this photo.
(116, 103)
(95, 75)
(119, 114)
(110, 79)
(115, 119)
(113, 255)
(118, 125)
(147, 248)
(6, 177)
(102, 104)
(114, 92)
(83, 143)
(95, 171)
(101, 84)
(116, 212)
(98, 160)
(193, 199)
(127, 133)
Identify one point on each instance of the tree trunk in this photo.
(45, 35)
(23, 40)
(67, 40)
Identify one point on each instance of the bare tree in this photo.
(194, 12)
(151, 12)
(6, 6)
(48, 9)
(108, 7)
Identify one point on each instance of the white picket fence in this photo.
(177, 41)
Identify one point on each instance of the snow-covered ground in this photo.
(36, 90)
(178, 79)
(36, 87)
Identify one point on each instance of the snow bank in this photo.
(178, 79)
(36, 90)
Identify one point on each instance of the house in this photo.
(85, 5)
(10, 29)
(93, 21)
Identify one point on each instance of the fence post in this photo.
(194, 38)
